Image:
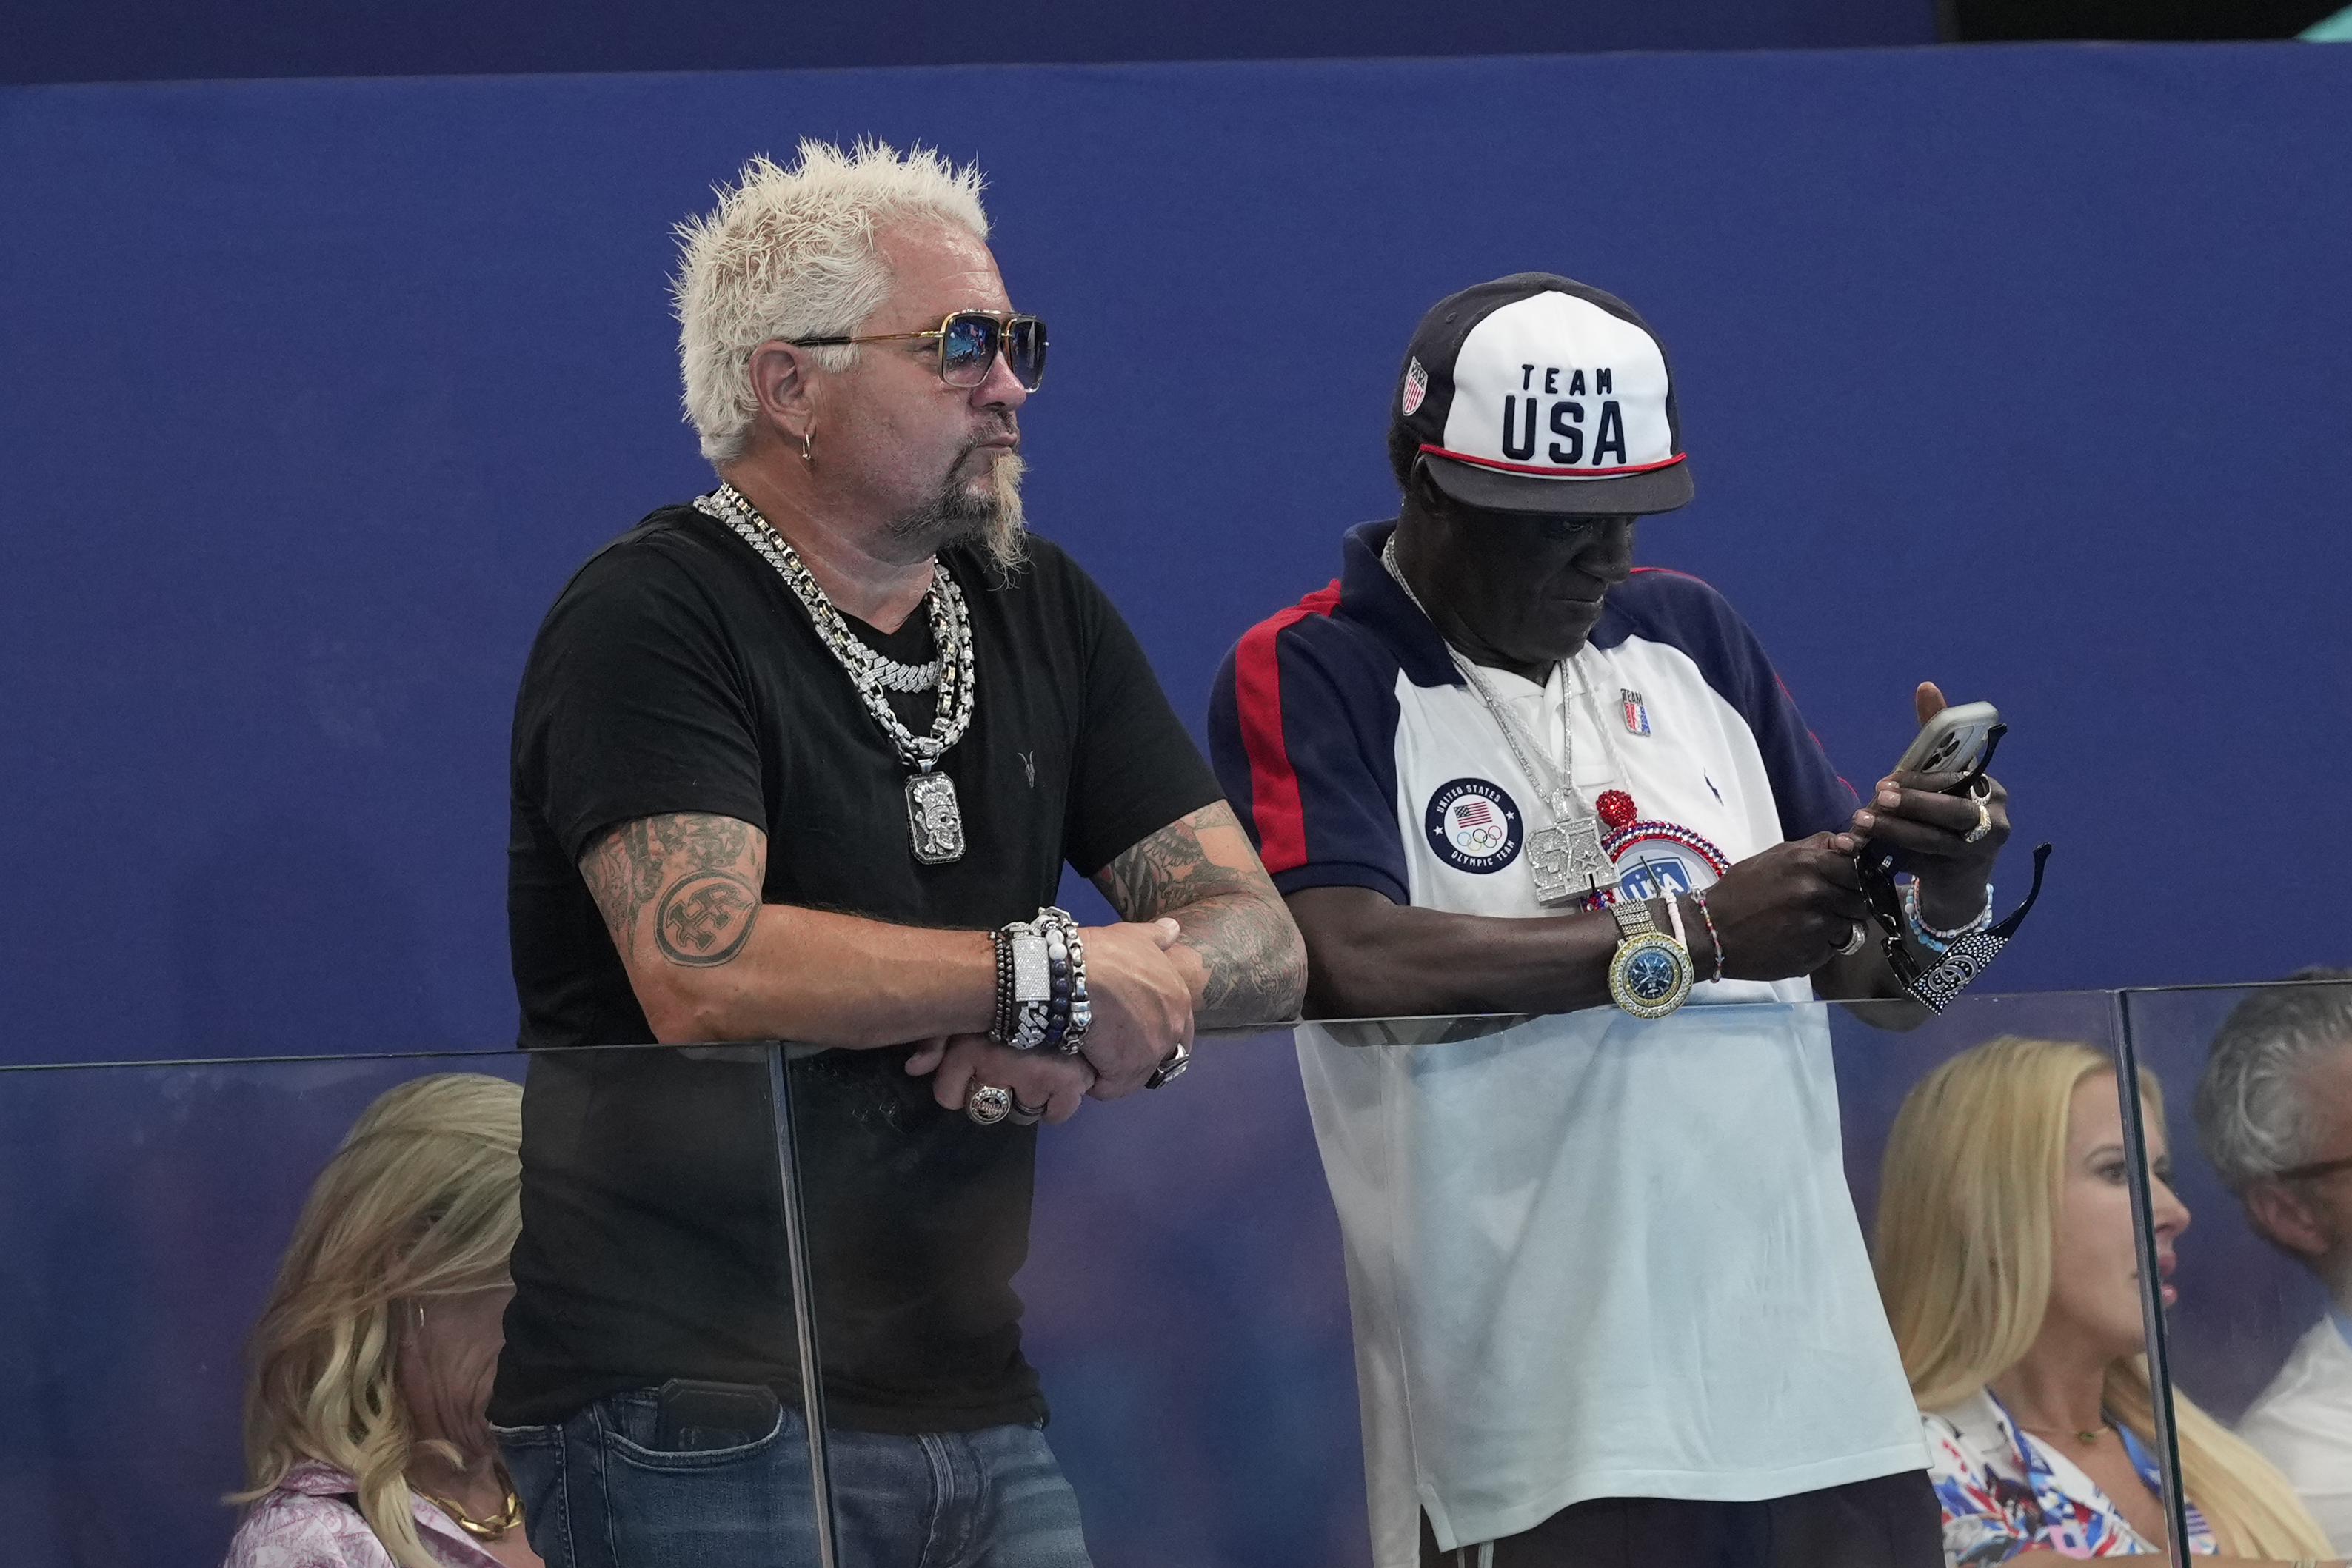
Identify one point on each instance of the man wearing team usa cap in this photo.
(1611, 1304)
(1493, 421)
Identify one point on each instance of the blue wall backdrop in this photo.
(2017, 369)
(2021, 369)
(127, 40)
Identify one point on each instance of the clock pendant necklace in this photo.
(934, 815)
(1566, 859)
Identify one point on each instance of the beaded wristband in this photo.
(1002, 1021)
(1713, 940)
(1058, 957)
(1068, 1014)
(1926, 936)
(1071, 1005)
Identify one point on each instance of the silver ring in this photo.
(987, 1105)
(1853, 941)
(1171, 1068)
(1025, 1114)
(1984, 820)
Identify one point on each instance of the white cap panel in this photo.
(1553, 386)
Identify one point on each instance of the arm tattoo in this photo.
(689, 868)
(697, 913)
(1231, 915)
(1170, 869)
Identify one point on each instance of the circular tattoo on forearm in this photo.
(705, 919)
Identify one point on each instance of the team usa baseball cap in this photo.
(1536, 393)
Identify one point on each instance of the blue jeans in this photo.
(597, 1493)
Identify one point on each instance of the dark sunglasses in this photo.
(970, 342)
(1935, 987)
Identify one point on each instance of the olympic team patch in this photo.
(1637, 712)
(1473, 826)
(1416, 387)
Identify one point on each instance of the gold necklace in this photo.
(2087, 1438)
(481, 1529)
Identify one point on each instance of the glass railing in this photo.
(143, 1213)
(2256, 1084)
(1183, 1285)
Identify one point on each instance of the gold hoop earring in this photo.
(808, 456)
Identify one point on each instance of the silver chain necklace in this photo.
(934, 816)
(1566, 859)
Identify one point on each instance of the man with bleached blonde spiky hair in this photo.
(803, 759)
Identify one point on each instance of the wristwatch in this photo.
(1651, 975)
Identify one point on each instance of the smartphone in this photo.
(1954, 741)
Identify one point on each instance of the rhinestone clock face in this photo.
(1650, 976)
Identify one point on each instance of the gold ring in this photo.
(987, 1105)
(1984, 820)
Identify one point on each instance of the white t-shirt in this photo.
(2303, 1424)
(1589, 1255)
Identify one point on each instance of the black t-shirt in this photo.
(677, 673)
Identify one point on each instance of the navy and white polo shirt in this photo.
(1589, 1255)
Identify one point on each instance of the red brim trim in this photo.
(1535, 471)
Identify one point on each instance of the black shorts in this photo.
(1891, 1522)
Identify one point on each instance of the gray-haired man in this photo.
(2274, 1115)
(785, 758)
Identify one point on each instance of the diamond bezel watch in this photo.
(1651, 975)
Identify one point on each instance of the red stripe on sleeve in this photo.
(1274, 804)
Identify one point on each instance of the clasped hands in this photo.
(1793, 908)
(1142, 1001)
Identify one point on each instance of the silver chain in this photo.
(907, 678)
(1557, 789)
(952, 668)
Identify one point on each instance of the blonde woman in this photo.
(2006, 1258)
(365, 1440)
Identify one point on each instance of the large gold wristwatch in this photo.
(1651, 975)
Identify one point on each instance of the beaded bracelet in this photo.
(1068, 1014)
(1041, 984)
(1713, 940)
(1057, 958)
(1926, 936)
(1002, 1021)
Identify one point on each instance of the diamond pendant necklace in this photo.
(934, 815)
(1566, 859)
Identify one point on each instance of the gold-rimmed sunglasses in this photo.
(969, 343)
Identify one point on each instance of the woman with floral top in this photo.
(365, 1442)
(2005, 1257)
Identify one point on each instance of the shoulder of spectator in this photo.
(289, 1529)
(1664, 605)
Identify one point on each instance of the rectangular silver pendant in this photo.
(934, 820)
(1566, 860)
(1032, 978)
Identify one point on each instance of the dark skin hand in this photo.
(1521, 592)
